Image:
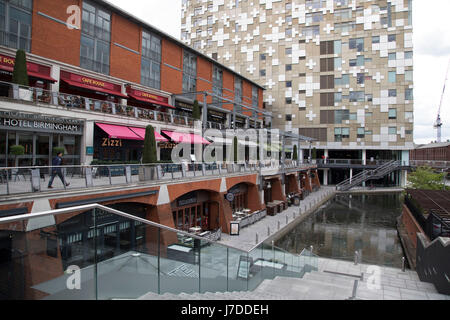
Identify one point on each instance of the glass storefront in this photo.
(38, 148)
(39, 136)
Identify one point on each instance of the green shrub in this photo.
(20, 73)
(196, 114)
(17, 150)
(149, 153)
(57, 150)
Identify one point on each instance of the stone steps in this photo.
(319, 285)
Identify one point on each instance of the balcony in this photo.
(75, 102)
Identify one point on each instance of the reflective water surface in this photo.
(349, 223)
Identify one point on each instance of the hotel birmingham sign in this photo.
(14, 120)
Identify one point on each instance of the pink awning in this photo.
(141, 132)
(119, 132)
(180, 137)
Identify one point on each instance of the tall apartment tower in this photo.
(340, 71)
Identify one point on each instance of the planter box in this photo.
(147, 173)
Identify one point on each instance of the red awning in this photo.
(149, 98)
(33, 69)
(180, 137)
(141, 132)
(119, 132)
(93, 88)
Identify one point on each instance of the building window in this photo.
(408, 55)
(189, 72)
(197, 11)
(338, 97)
(314, 17)
(288, 51)
(289, 117)
(369, 97)
(341, 115)
(327, 64)
(392, 114)
(238, 90)
(262, 57)
(197, 45)
(353, 117)
(338, 62)
(376, 39)
(409, 94)
(357, 44)
(327, 82)
(345, 80)
(327, 47)
(392, 76)
(315, 4)
(409, 75)
(288, 32)
(392, 130)
(95, 39)
(360, 77)
(392, 56)
(262, 72)
(210, 20)
(358, 62)
(343, 14)
(288, 67)
(357, 96)
(341, 133)
(288, 6)
(151, 60)
(217, 83)
(361, 133)
(288, 84)
(327, 99)
(15, 24)
(288, 100)
(312, 31)
(288, 19)
(392, 37)
(392, 93)
(210, 31)
(255, 99)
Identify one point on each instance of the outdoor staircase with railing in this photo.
(364, 176)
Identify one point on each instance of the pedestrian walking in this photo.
(56, 170)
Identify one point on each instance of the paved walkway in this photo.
(247, 237)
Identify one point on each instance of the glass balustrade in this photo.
(95, 252)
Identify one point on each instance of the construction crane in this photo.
(438, 124)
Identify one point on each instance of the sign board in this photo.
(230, 197)
(89, 151)
(234, 228)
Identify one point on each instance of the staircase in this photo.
(341, 281)
(364, 176)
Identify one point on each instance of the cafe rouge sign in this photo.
(33, 122)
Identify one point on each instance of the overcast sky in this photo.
(431, 54)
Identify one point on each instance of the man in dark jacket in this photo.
(56, 170)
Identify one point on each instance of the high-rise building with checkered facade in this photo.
(340, 71)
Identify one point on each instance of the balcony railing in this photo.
(115, 255)
(20, 180)
(75, 102)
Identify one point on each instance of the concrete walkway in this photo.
(266, 228)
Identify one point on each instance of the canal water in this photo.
(365, 223)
